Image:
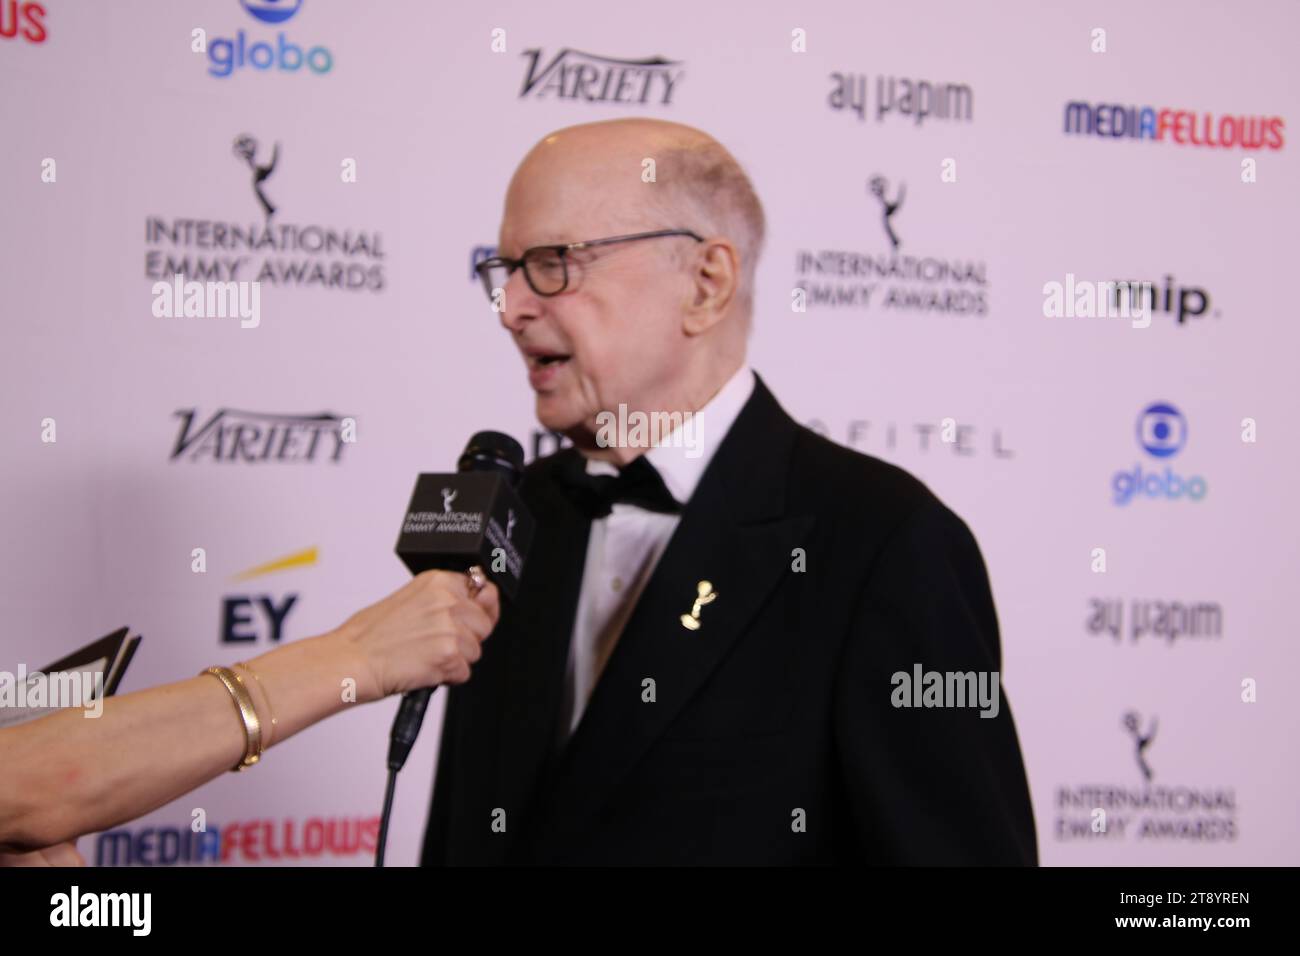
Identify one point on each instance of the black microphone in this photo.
(473, 517)
(454, 522)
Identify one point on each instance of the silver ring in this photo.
(477, 580)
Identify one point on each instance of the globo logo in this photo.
(1161, 430)
(271, 11)
(227, 56)
(1162, 434)
(1169, 486)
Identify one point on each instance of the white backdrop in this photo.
(100, 524)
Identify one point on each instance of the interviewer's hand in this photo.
(61, 854)
(64, 776)
(423, 634)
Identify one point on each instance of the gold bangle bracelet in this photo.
(270, 735)
(247, 713)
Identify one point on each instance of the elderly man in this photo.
(708, 656)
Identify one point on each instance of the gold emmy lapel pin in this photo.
(704, 595)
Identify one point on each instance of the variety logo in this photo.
(1161, 433)
(572, 75)
(890, 280)
(229, 435)
(1184, 127)
(26, 20)
(283, 254)
(252, 841)
(914, 100)
(226, 55)
(1116, 812)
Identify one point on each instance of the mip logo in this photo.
(1162, 434)
(226, 55)
(271, 11)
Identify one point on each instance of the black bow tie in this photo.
(637, 483)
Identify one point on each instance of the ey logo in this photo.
(246, 618)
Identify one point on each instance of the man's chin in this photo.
(566, 420)
(557, 415)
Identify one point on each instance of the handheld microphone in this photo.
(473, 517)
(454, 522)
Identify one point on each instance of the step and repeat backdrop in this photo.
(1040, 255)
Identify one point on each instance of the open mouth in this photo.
(543, 361)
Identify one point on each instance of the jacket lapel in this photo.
(735, 534)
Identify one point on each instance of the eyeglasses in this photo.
(546, 268)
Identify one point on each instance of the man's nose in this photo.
(519, 303)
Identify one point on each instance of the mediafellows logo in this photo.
(1162, 434)
(244, 841)
(1183, 127)
(573, 75)
(226, 55)
(25, 20)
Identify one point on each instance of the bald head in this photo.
(659, 323)
(697, 185)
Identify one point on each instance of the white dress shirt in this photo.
(625, 546)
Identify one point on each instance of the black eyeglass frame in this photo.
(562, 250)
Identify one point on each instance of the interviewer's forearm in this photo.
(63, 779)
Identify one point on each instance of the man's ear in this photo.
(715, 277)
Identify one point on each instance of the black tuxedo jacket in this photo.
(771, 736)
